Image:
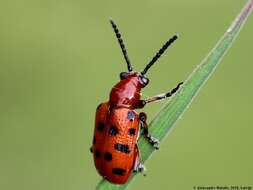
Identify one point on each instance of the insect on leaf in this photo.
(172, 111)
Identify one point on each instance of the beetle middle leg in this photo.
(144, 126)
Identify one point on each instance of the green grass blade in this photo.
(172, 111)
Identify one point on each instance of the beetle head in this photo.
(142, 79)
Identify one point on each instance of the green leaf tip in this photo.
(164, 121)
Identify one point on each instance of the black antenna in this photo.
(159, 53)
(122, 46)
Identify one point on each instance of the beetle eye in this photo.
(144, 80)
(123, 75)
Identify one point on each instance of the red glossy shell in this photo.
(114, 165)
(126, 92)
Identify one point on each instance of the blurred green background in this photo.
(59, 60)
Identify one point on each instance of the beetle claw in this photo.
(141, 168)
(153, 141)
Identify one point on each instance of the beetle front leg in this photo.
(159, 97)
(152, 140)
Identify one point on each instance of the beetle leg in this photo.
(159, 97)
(138, 166)
(152, 140)
(91, 149)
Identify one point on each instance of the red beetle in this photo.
(118, 125)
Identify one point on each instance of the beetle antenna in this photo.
(159, 53)
(122, 45)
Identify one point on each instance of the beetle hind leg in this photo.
(152, 140)
(138, 166)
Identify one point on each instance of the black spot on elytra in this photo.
(119, 171)
(122, 148)
(113, 130)
(108, 156)
(94, 140)
(100, 126)
(131, 131)
(97, 154)
(130, 115)
(99, 106)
